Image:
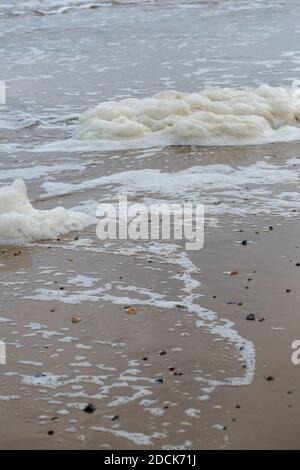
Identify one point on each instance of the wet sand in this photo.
(150, 374)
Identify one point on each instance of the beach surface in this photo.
(124, 344)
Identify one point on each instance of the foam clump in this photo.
(20, 222)
(211, 116)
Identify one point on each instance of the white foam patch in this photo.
(35, 172)
(254, 186)
(20, 222)
(135, 437)
(212, 116)
(197, 178)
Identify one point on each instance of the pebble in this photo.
(90, 408)
(159, 381)
(76, 319)
(250, 317)
(269, 378)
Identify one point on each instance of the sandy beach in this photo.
(75, 349)
(124, 344)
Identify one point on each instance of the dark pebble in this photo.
(159, 381)
(89, 408)
(250, 317)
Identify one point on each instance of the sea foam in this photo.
(20, 222)
(212, 116)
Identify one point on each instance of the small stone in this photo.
(90, 408)
(159, 381)
(76, 319)
(132, 310)
(250, 317)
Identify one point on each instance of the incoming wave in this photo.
(52, 7)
